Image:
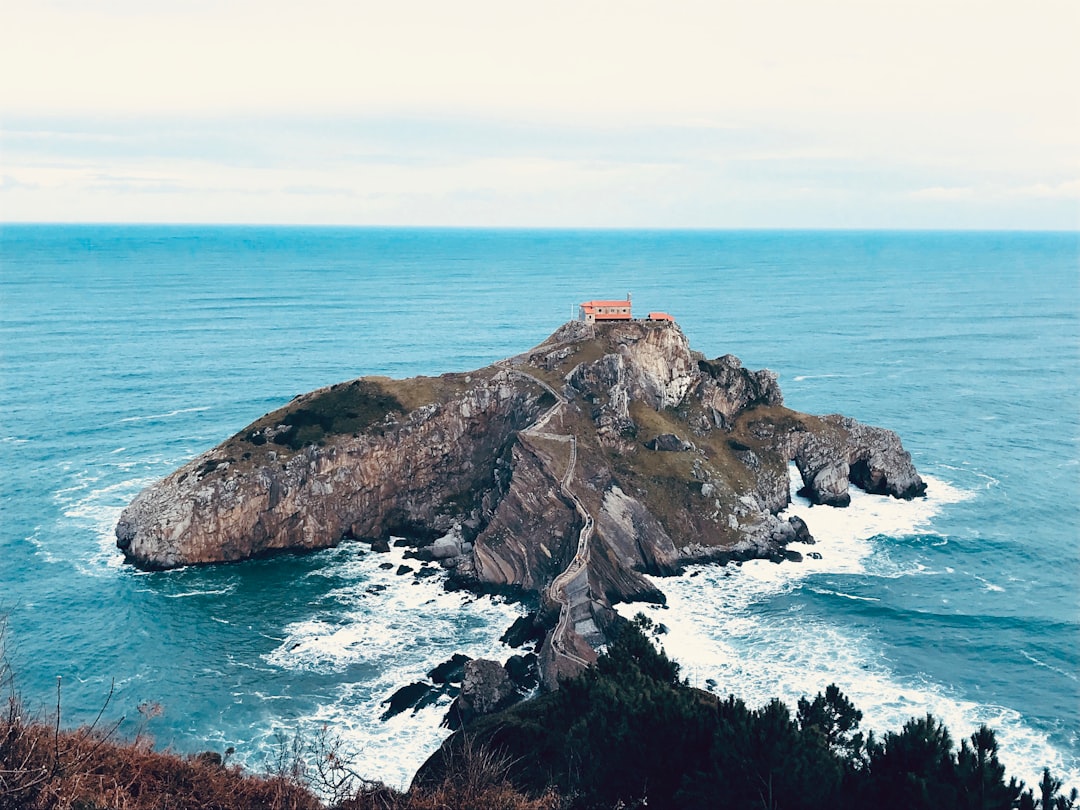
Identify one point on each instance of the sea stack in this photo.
(608, 451)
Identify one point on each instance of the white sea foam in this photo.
(42, 550)
(393, 629)
(717, 631)
(95, 510)
(169, 415)
(208, 592)
(990, 586)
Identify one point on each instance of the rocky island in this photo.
(609, 451)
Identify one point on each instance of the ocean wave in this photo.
(803, 377)
(96, 510)
(40, 548)
(990, 586)
(208, 592)
(168, 415)
(716, 631)
(390, 631)
(842, 595)
(1039, 663)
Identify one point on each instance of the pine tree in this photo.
(982, 776)
(836, 720)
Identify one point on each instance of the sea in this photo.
(125, 351)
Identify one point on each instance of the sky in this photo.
(753, 114)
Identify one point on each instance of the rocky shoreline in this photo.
(607, 452)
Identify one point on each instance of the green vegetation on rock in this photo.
(629, 733)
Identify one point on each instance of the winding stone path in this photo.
(557, 590)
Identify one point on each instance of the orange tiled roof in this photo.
(593, 304)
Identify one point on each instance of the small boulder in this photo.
(802, 531)
(445, 548)
(828, 485)
(668, 442)
(211, 758)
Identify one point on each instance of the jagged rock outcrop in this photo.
(608, 451)
(486, 688)
(870, 457)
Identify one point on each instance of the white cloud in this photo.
(688, 60)
(1067, 190)
(637, 112)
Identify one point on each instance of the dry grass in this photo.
(42, 769)
(475, 777)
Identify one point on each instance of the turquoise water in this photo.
(127, 350)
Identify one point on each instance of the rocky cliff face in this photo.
(409, 471)
(608, 451)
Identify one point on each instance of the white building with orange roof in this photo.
(593, 311)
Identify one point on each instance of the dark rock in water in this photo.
(487, 688)
(524, 671)
(402, 570)
(802, 531)
(434, 696)
(427, 571)
(386, 566)
(669, 443)
(814, 555)
(524, 630)
(376, 588)
(382, 545)
(451, 670)
(405, 698)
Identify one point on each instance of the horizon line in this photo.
(549, 228)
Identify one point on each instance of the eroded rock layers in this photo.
(675, 459)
